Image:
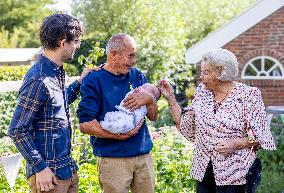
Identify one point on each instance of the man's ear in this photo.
(62, 43)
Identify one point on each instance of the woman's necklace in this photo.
(217, 104)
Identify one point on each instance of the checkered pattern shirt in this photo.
(40, 127)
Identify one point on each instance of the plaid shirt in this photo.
(40, 127)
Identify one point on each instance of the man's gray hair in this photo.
(117, 42)
(224, 61)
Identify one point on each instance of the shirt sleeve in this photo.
(32, 95)
(73, 91)
(187, 123)
(258, 121)
(90, 101)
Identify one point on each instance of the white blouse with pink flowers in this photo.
(206, 129)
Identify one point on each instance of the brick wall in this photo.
(264, 39)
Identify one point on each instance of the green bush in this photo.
(8, 100)
(172, 155)
(273, 162)
(88, 44)
(172, 158)
(164, 115)
(12, 73)
(7, 106)
(71, 70)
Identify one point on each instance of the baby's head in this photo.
(149, 88)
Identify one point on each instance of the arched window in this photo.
(263, 67)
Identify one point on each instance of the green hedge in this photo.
(272, 176)
(7, 106)
(172, 158)
(12, 73)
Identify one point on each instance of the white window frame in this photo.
(277, 64)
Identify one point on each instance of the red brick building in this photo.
(257, 39)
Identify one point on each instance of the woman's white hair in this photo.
(223, 60)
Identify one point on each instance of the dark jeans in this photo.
(208, 184)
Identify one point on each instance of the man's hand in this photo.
(94, 128)
(86, 71)
(130, 133)
(45, 180)
(136, 100)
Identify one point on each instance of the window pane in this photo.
(268, 64)
(257, 64)
(276, 72)
(250, 71)
(262, 74)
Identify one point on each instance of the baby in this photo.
(123, 120)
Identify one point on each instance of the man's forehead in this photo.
(131, 43)
(131, 47)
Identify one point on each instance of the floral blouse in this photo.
(203, 127)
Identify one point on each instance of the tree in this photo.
(163, 29)
(20, 21)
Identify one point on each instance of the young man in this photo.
(40, 127)
(124, 160)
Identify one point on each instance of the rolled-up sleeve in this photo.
(32, 96)
(258, 121)
(89, 105)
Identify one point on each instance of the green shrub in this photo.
(12, 73)
(71, 70)
(88, 45)
(7, 106)
(21, 184)
(164, 115)
(172, 155)
(273, 162)
(172, 158)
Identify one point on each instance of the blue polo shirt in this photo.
(100, 92)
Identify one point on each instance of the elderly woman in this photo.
(226, 122)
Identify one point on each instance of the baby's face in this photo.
(148, 88)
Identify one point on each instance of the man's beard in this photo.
(68, 57)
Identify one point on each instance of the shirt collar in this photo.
(58, 70)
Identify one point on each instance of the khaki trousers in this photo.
(118, 175)
(70, 185)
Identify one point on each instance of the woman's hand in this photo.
(166, 89)
(228, 147)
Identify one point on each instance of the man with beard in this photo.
(40, 127)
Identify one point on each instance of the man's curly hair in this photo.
(57, 27)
